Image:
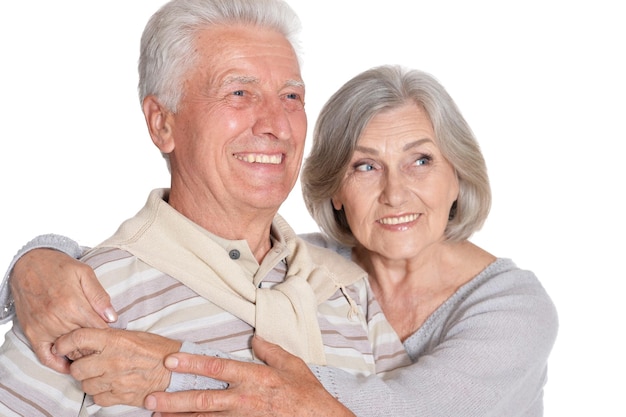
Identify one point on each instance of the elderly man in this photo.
(208, 261)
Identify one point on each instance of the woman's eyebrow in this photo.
(406, 147)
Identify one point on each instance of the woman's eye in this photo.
(363, 167)
(423, 160)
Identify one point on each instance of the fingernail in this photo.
(171, 362)
(110, 315)
(150, 403)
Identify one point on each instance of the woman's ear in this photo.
(160, 124)
(336, 203)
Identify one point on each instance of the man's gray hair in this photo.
(167, 43)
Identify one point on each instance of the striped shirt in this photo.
(149, 300)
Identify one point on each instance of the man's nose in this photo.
(272, 119)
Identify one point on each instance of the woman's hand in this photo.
(285, 387)
(55, 294)
(118, 366)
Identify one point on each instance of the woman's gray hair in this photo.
(347, 113)
(167, 43)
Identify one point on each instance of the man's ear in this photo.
(160, 124)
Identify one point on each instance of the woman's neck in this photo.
(410, 290)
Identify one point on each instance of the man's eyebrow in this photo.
(242, 79)
(245, 79)
(294, 83)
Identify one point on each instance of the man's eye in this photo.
(238, 93)
(293, 101)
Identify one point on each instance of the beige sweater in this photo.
(285, 314)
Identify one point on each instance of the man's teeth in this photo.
(398, 220)
(260, 158)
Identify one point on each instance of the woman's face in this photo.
(398, 188)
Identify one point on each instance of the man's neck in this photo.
(253, 226)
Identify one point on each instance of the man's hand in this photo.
(118, 366)
(286, 387)
(55, 294)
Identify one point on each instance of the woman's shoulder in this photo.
(503, 278)
(503, 299)
(503, 286)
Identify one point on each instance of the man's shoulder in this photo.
(101, 255)
(341, 269)
(322, 250)
(320, 240)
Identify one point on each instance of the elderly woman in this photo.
(398, 184)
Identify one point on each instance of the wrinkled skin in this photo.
(55, 294)
(112, 372)
(285, 388)
(118, 366)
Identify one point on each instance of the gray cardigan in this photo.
(483, 352)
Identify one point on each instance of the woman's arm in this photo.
(285, 388)
(490, 360)
(117, 366)
(54, 294)
(60, 243)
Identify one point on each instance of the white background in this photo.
(541, 82)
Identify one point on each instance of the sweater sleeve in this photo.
(489, 359)
(186, 382)
(50, 241)
(179, 382)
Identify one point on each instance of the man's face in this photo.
(240, 127)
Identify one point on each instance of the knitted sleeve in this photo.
(486, 357)
(185, 382)
(50, 241)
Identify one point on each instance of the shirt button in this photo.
(234, 254)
